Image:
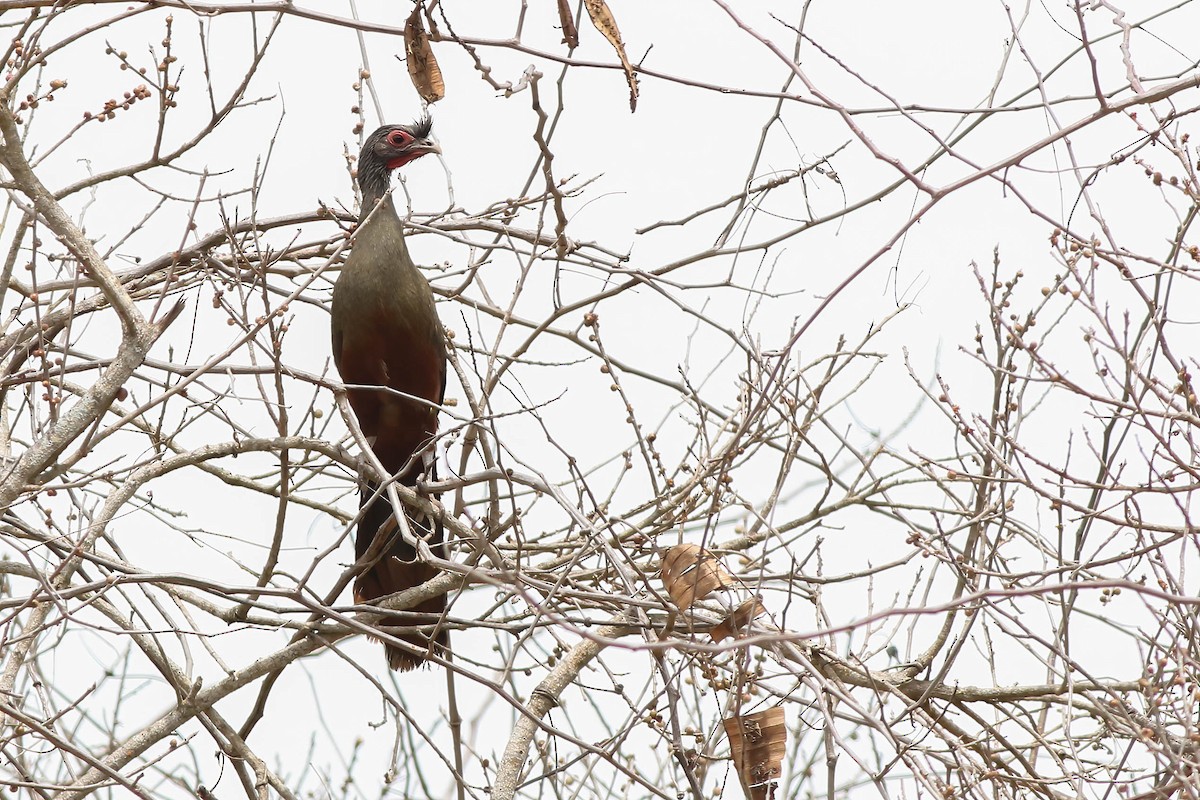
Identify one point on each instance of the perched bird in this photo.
(389, 348)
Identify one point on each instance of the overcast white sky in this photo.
(686, 147)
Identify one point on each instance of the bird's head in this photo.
(393, 146)
(389, 148)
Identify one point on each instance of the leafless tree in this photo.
(896, 332)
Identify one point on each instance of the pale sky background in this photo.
(685, 148)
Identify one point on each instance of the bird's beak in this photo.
(415, 149)
(423, 147)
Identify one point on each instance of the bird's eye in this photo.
(398, 138)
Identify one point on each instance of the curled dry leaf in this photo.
(604, 21)
(691, 573)
(738, 621)
(422, 66)
(567, 20)
(757, 743)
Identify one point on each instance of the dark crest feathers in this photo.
(373, 176)
(420, 129)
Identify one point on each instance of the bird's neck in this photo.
(380, 253)
(379, 209)
(374, 180)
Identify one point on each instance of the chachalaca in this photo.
(389, 348)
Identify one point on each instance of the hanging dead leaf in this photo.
(567, 20)
(418, 54)
(604, 21)
(738, 621)
(691, 573)
(757, 743)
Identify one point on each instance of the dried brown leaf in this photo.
(604, 21)
(567, 20)
(422, 66)
(691, 573)
(757, 743)
(738, 621)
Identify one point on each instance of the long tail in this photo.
(397, 570)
